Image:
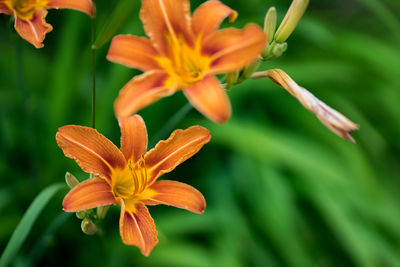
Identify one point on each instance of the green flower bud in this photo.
(88, 227)
(81, 214)
(231, 79)
(249, 70)
(279, 49)
(270, 24)
(292, 18)
(71, 180)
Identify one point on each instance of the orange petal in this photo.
(86, 6)
(210, 99)
(132, 51)
(140, 92)
(4, 9)
(177, 194)
(232, 49)
(208, 17)
(89, 194)
(137, 228)
(34, 30)
(92, 151)
(181, 145)
(166, 18)
(133, 137)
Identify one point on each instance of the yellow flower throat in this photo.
(25, 9)
(185, 65)
(131, 181)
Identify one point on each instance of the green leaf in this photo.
(24, 227)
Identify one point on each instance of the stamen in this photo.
(134, 177)
(186, 64)
(141, 170)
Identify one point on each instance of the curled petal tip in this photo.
(34, 31)
(179, 195)
(233, 16)
(350, 138)
(93, 11)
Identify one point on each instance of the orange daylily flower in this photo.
(30, 15)
(129, 176)
(186, 53)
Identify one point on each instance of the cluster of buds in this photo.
(275, 47)
(277, 40)
(87, 216)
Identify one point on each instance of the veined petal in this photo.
(140, 92)
(137, 228)
(232, 49)
(208, 17)
(181, 145)
(34, 30)
(89, 194)
(85, 6)
(134, 52)
(177, 194)
(93, 152)
(133, 137)
(4, 9)
(210, 99)
(164, 19)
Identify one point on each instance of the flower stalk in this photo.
(94, 48)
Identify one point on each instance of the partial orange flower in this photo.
(128, 176)
(186, 53)
(30, 15)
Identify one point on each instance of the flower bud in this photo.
(71, 180)
(81, 214)
(231, 79)
(270, 24)
(279, 49)
(88, 227)
(292, 18)
(249, 70)
(102, 212)
(331, 118)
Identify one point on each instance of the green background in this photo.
(281, 189)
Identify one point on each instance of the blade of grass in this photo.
(25, 225)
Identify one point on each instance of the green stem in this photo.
(94, 48)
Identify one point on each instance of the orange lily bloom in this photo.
(128, 176)
(186, 53)
(30, 15)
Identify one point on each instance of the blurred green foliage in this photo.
(282, 190)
